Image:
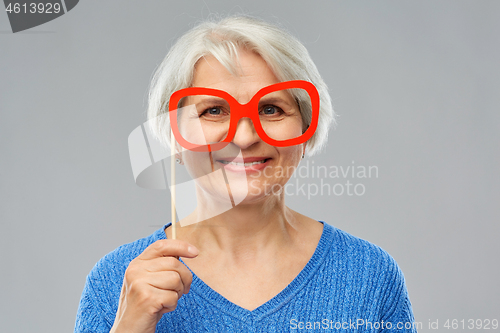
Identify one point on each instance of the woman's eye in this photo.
(214, 111)
(271, 110)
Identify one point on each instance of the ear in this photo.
(178, 152)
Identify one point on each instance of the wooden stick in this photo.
(172, 177)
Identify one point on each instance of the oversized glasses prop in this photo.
(204, 124)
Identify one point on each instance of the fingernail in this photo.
(193, 250)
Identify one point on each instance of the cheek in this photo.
(197, 164)
(287, 161)
(290, 156)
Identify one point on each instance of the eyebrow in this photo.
(212, 100)
(203, 100)
(270, 100)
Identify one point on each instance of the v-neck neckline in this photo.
(223, 304)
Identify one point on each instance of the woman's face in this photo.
(271, 166)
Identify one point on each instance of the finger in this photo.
(167, 280)
(170, 264)
(169, 248)
(163, 301)
(169, 300)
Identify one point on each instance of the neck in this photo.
(246, 228)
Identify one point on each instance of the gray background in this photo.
(416, 86)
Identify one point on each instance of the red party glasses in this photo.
(283, 114)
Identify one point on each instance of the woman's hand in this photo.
(152, 285)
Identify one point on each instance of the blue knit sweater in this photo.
(348, 285)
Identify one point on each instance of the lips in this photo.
(245, 160)
(248, 163)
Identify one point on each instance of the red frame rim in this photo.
(242, 111)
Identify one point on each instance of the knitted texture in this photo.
(348, 285)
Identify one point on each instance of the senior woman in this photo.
(259, 266)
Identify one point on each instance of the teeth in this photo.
(243, 164)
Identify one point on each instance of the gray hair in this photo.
(284, 54)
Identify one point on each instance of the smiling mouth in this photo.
(244, 164)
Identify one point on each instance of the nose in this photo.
(245, 135)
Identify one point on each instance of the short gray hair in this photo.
(284, 54)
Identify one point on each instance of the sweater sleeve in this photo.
(101, 294)
(398, 314)
(90, 315)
